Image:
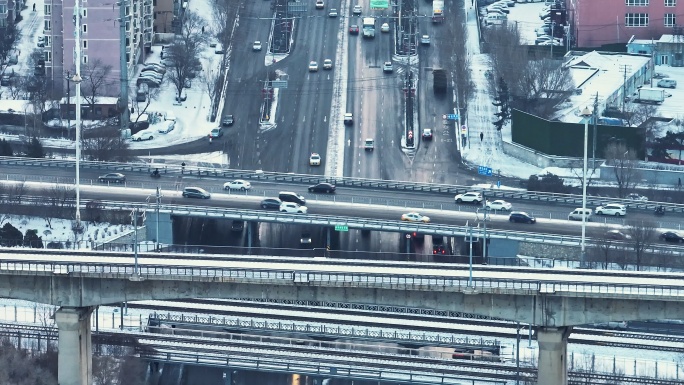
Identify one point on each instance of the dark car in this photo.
(521, 217)
(671, 236)
(195, 192)
(227, 121)
(271, 204)
(354, 29)
(112, 177)
(438, 246)
(322, 188)
(237, 226)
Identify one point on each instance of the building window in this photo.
(670, 20)
(670, 3)
(85, 44)
(47, 26)
(636, 3)
(85, 59)
(48, 40)
(636, 20)
(48, 9)
(47, 56)
(84, 28)
(85, 13)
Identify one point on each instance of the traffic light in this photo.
(409, 138)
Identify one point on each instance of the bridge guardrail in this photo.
(369, 280)
(205, 170)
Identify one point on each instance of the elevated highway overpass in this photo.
(553, 300)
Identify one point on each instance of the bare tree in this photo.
(643, 234)
(9, 36)
(224, 13)
(17, 367)
(140, 107)
(637, 114)
(186, 50)
(105, 370)
(58, 199)
(542, 85)
(96, 82)
(211, 82)
(623, 161)
(106, 145)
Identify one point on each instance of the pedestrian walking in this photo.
(481, 136)
(34, 7)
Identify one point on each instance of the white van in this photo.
(578, 213)
(168, 115)
(667, 83)
(495, 19)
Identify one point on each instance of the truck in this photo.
(369, 27)
(439, 81)
(650, 95)
(437, 11)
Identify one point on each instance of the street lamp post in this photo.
(586, 115)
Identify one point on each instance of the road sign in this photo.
(498, 183)
(341, 228)
(464, 129)
(293, 6)
(484, 170)
(451, 116)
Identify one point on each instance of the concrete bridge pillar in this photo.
(75, 359)
(553, 354)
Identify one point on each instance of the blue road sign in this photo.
(452, 116)
(484, 170)
(498, 183)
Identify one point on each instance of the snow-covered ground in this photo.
(60, 230)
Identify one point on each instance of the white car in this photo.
(291, 207)
(357, 9)
(469, 197)
(387, 67)
(167, 126)
(315, 159)
(637, 197)
(319, 4)
(425, 40)
(612, 209)
(327, 64)
(143, 135)
(348, 118)
(414, 217)
(256, 46)
(332, 13)
(313, 66)
(237, 184)
(384, 27)
(499, 205)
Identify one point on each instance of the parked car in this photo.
(167, 126)
(294, 208)
(143, 135)
(637, 197)
(322, 187)
(195, 192)
(115, 177)
(156, 67)
(469, 197)
(271, 204)
(237, 184)
(612, 209)
(667, 83)
(521, 217)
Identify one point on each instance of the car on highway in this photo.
(271, 204)
(348, 119)
(615, 209)
(305, 239)
(521, 217)
(313, 66)
(499, 205)
(116, 177)
(387, 67)
(671, 236)
(469, 197)
(425, 40)
(320, 4)
(322, 187)
(143, 135)
(237, 184)
(414, 217)
(327, 64)
(237, 226)
(356, 10)
(195, 192)
(291, 207)
(315, 159)
(637, 197)
(289, 196)
(216, 133)
(332, 13)
(227, 121)
(617, 235)
(354, 29)
(256, 46)
(384, 27)
(427, 133)
(369, 144)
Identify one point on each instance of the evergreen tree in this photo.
(10, 235)
(6, 148)
(502, 102)
(32, 239)
(35, 149)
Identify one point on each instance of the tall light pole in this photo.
(586, 116)
(77, 80)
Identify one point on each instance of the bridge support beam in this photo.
(75, 359)
(553, 353)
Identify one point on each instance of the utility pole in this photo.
(484, 235)
(625, 67)
(123, 63)
(77, 79)
(553, 37)
(68, 79)
(594, 116)
(158, 204)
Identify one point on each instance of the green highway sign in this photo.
(341, 228)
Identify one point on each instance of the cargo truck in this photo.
(650, 95)
(369, 27)
(439, 81)
(437, 11)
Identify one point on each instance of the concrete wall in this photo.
(165, 228)
(539, 159)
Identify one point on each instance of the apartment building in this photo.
(100, 41)
(9, 10)
(597, 23)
